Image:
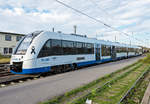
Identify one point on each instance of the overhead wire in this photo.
(106, 13)
(76, 10)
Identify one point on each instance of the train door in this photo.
(113, 53)
(127, 52)
(97, 52)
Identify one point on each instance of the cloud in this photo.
(24, 16)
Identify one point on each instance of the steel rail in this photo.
(128, 92)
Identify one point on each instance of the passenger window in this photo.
(106, 50)
(63, 47)
(46, 50)
(68, 47)
(56, 47)
(51, 47)
(79, 47)
(47, 45)
(90, 48)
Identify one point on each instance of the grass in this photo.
(63, 99)
(136, 94)
(4, 59)
(112, 92)
(146, 60)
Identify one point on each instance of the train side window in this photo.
(67, 47)
(129, 49)
(124, 49)
(89, 48)
(51, 47)
(120, 49)
(47, 45)
(106, 50)
(56, 47)
(92, 48)
(79, 47)
(46, 49)
(64, 47)
(102, 50)
(75, 47)
(85, 48)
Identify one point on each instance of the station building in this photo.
(8, 41)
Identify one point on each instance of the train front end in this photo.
(23, 58)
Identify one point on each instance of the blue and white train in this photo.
(44, 51)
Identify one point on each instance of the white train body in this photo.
(40, 51)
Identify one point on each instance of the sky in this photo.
(128, 16)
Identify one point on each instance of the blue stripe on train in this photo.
(48, 68)
(105, 60)
(33, 70)
(92, 62)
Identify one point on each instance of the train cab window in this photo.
(24, 45)
(68, 47)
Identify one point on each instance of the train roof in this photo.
(84, 38)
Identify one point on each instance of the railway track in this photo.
(6, 77)
(137, 88)
(81, 94)
(112, 90)
(4, 70)
(104, 90)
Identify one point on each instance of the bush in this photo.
(147, 59)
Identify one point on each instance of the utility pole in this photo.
(147, 43)
(75, 29)
(53, 29)
(130, 38)
(130, 42)
(133, 37)
(115, 38)
(96, 35)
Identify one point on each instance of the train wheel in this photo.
(74, 66)
(63, 68)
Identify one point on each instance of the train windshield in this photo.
(25, 43)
